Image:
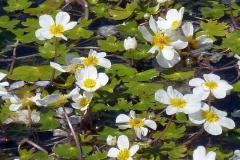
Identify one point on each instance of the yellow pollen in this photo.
(160, 40)
(192, 43)
(90, 61)
(123, 154)
(62, 100)
(174, 23)
(136, 122)
(177, 102)
(89, 83)
(56, 29)
(211, 85)
(84, 101)
(210, 116)
(26, 102)
(76, 67)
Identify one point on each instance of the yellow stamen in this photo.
(210, 116)
(27, 102)
(160, 40)
(192, 43)
(177, 102)
(76, 67)
(62, 100)
(89, 83)
(84, 101)
(123, 154)
(211, 85)
(90, 61)
(56, 29)
(136, 122)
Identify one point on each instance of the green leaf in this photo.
(120, 13)
(172, 132)
(123, 70)
(142, 76)
(173, 151)
(66, 151)
(47, 120)
(15, 5)
(216, 12)
(98, 155)
(5, 23)
(26, 155)
(85, 138)
(144, 104)
(31, 24)
(98, 107)
(93, 1)
(140, 52)
(178, 75)
(137, 88)
(212, 28)
(111, 44)
(40, 156)
(221, 153)
(48, 50)
(86, 150)
(236, 87)
(100, 10)
(122, 105)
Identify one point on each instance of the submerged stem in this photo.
(194, 137)
(164, 131)
(55, 58)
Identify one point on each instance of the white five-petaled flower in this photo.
(89, 80)
(94, 58)
(212, 118)
(123, 153)
(200, 154)
(111, 141)
(165, 42)
(3, 91)
(199, 44)
(50, 28)
(211, 83)
(177, 102)
(136, 123)
(173, 19)
(82, 101)
(130, 43)
(236, 155)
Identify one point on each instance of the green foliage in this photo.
(66, 151)
(5, 23)
(144, 104)
(178, 75)
(235, 9)
(15, 5)
(142, 76)
(97, 155)
(221, 153)
(47, 120)
(40, 156)
(120, 13)
(212, 29)
(139, 53)
(48, 50)
(122, 105)
(236, 86)
(173, 151)
(111, 44)
(123, 70)
(216, 12)
(26, 155)
(100, 10)
(31, 73)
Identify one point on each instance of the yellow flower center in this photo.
(84, 101)
(174, 23)
(192, 43)
(76, 67)
(160, 40)
(123, 154)
(27, 102)
(210, 116)
(90, 61)
(62, 100)
(89, 83)
(56, 29)
(177, 102)
(136, 122)
(211, 85)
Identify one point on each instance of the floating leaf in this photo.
(48, 50)
(111, 44)
(212, 28)
(120, 13)
(66, 151)
(40, 156)
(144, 103)
(15, 5)
(236, 87)
(179, 75)
(100, 10)
(123, 70)
(142, 76)
(31, 24)
(140, 52)
(172, 150)
(122, 105)
(216, 12)
(235, 10)
(5, 23)
(97, 155)
(47, 120)
(26, 155)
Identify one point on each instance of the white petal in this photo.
(15, 107)
(102, 79)
(122, 142)
(146, 34)
(122, 118)
(227, 122)
(199, 153)
(196, 82)
(134, 149)
(197, 117)
(140, 132)
(168, 52)
(124, 126)
(43, 34)
(154, 49)
(151, 124)
(211, 155)
(132, 114)
(187, 29)
(2, 75)
(70, 25)
(62, 18)
(46, 21)
(113, 152)
(168, 63)
(171, 110)
(153, 24)
(104, 63)
(211, 77)
(57, 66)
(213, 128)
(162, 96)
(198, 91)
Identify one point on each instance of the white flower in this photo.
(200, 154)
(136, 123)
(72, 64)
(165, 42)
(238, 57)
(3, 91)
(111, 141)
(199, 44)
(22, 117)
(130, 43)
(236, 155)
(94, 58)
(51, 28)
(173, 19)
(18, 103)
(123, 153)
(82, 101)
(211, 83)
(212, 118)
(89, 80)
(177, 102)
(162, 1)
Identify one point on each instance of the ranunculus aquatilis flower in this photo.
(200, 154)
(130, 43)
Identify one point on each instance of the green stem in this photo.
(133, 62)
(55, 58)
(164, 131)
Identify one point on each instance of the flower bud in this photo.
(130, 43)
